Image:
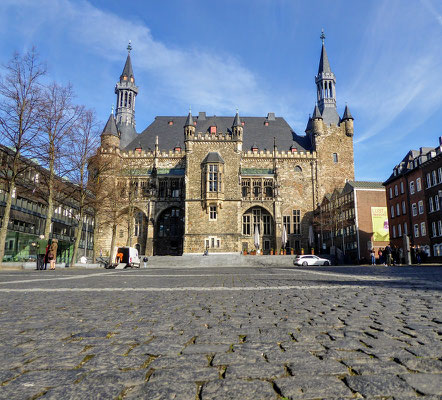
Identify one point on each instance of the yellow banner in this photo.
(379, 220)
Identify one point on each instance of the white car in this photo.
(310, 260)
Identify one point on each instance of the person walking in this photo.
(41, 252)
(388, 254)
(52, 253)
(373, 257)
(380, 254)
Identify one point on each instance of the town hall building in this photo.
(186, 184)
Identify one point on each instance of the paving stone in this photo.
(425, 383)
(379, 385)
(261, 370)
(217, 344)
(233, 389)
(312, 387)
(185, 374)
(158, 390)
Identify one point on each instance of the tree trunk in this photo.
(113, 239)
(5, 221)
(130, 226)
(50, 211)
(77, 238)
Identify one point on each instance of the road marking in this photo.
(59, 278)
(199, 275)
(198, 289)
(179, 289)
(343, 275)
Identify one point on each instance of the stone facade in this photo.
(212, 182)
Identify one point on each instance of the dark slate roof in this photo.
(127, 70)
(129, 135)
(111, 127)
(347, 114)
(406, 163)
(324, 65)
(330, 116)
(213, 157)
(254, 130)
(316, 113)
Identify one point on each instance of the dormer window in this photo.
(243, 123)
(138, 149)
(212, 129)
(266, 123)
(293, 149)
(170, 123)
(124, 78)
(255, 148)
(177, 149)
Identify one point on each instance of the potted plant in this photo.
(271, 252)
(292, 251)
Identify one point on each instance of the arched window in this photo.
(130, 99)
(125, 99)
(298, 169)
(121, 99)
(330, 89)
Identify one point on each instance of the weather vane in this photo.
(129, 46)
(322, 36)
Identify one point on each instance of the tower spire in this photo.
(126, 91)
(326, 87)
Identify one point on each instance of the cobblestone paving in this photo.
(224, 333)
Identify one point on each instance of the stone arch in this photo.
(169, 232)
(258, 217)
(298, 169)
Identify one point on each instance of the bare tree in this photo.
(20, 116)
(58, 120)
(83, 143)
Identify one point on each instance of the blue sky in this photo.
(258, 55)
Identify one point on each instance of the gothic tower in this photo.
(326, 88)
(331, 136)
(126, 92)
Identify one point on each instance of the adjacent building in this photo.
(28, 214)
(351, 221)
(197, 182)
(414, 192)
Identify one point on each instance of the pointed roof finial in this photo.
(236, 120)
(322, 35)
(129, 46)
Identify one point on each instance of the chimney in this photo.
(202, 115)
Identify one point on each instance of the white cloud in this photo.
(394, 89)
(217, 82)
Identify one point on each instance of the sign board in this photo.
(379, 220)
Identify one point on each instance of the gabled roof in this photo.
(324, 65)
(213, 157)
(111, 127)
(254, 130)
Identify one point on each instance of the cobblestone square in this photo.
(222, 333)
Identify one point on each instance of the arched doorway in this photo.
(261, 219)
(169, 232)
